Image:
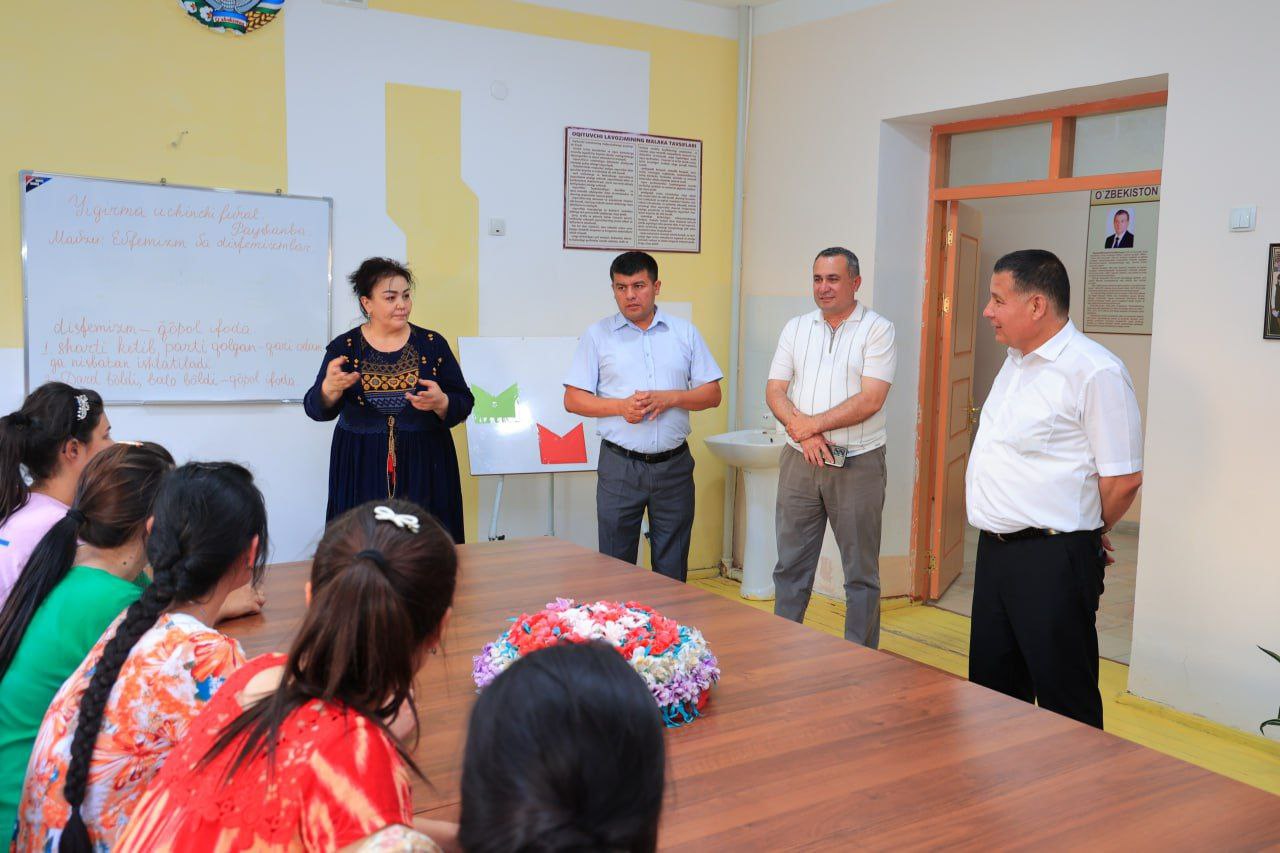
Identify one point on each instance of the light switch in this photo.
(497, 228)
(1243, 218)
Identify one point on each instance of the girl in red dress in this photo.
(299, 752)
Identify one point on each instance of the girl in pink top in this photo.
(53, 436)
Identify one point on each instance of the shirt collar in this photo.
(859, 311)
(619, 321)
(1050, 349)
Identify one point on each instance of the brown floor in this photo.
(1115, 611)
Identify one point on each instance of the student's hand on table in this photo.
(657, 402)
(815, 450)
(244, 601)
(442, 832)
(336, 380)
(429, 398)
(403, 724)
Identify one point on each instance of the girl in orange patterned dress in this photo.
(115, 720)
(303, 752)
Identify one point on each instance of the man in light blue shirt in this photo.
(639, 373)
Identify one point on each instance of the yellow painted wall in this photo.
(104, 95)
(429, 201)
(692, 93)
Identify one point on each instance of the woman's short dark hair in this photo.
(373, 270)
(564, 752)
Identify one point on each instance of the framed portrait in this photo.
(1271, 311)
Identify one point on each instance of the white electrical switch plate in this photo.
(1244, 218)
(497, 228)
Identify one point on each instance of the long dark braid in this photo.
(206, 517)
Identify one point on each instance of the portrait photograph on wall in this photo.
(1271, 313)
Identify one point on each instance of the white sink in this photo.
(748, 448)
(757, 453)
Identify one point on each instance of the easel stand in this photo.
(497, 507)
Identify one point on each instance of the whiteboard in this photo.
(519, 425)
(156, 293)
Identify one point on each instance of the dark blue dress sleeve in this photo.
(313, 401)
(452, 383)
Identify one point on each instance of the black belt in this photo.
(1032, 533)
(646, 457)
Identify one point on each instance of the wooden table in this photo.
(810, 741)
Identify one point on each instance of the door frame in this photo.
(930, 421)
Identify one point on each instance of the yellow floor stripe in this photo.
(940, 639)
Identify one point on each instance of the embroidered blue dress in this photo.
(382, 446)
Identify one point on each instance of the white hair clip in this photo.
(82, 406)
(402, 520)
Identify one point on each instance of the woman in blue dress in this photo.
(396, 390)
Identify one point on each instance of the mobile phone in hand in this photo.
(838, 455)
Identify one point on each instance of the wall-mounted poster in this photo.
(632, 191)
(1120, 263)
(1271, 315)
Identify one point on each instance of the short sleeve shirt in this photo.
(616, 358)
(20, 534)
(1056, 420)
(173, 670)
(337, 779)
(826, 366)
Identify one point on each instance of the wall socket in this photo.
(497, 227)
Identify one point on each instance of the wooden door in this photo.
(962, 281)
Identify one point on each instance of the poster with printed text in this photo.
(632, 191)
(1120, 261)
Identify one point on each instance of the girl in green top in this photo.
(84, 572)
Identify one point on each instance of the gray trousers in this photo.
(625, 488)
(852, 498)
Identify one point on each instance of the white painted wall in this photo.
(819, 172)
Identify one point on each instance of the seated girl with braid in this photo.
(305, 752)
(86, 569)
(113, 723)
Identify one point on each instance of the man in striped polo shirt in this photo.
(827, 385)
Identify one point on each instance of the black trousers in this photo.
(1034, 635)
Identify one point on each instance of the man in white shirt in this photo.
(1057, 461)
(827, 385)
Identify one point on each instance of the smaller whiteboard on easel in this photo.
(519, 425)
